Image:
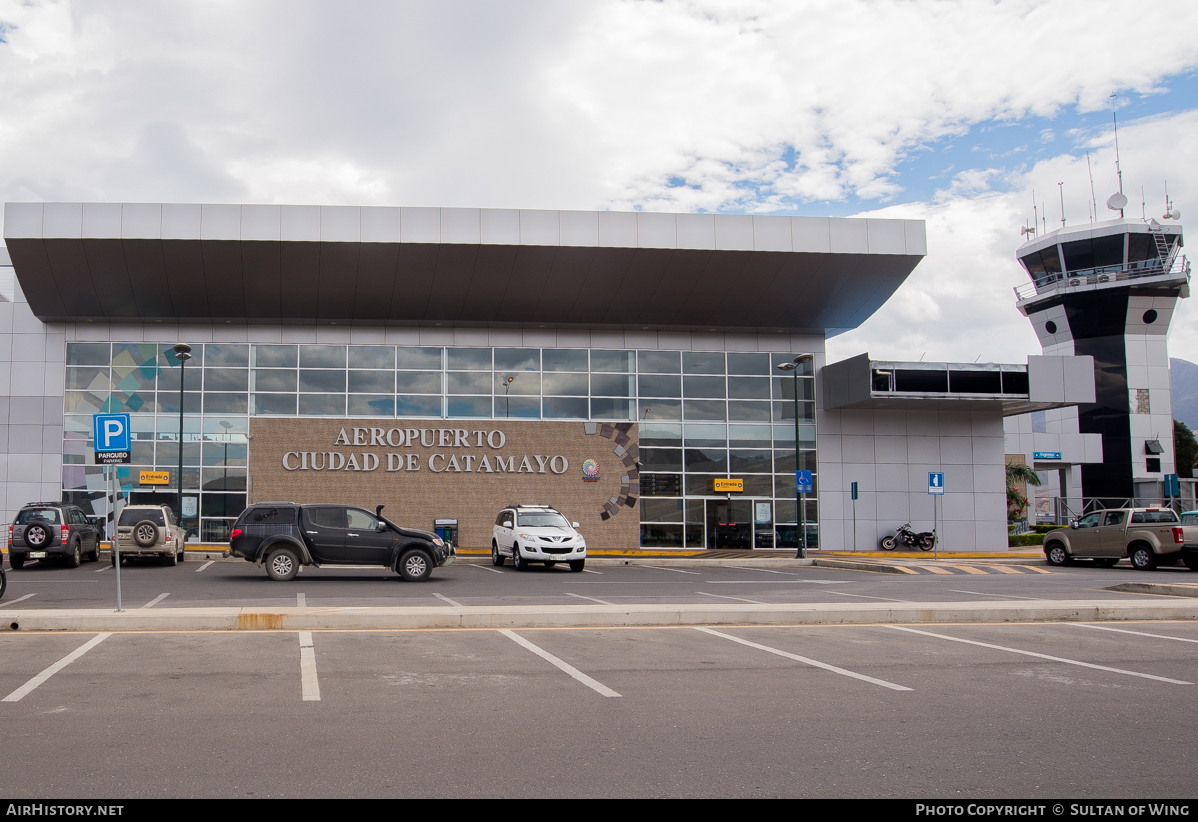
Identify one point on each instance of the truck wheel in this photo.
(415, 566)
(112, 558)
(518, 562)
(1191, 563)
(577, 565)
(94, 554)
(496, 557)
(1142, 558)
(145, 534)
(17, 561)
(172, 558)
(282, 564)
(75, 558)
(3, 582)
(182, 552)
(1056, 554)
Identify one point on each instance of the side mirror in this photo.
(1073, 523)
(382, 526)
(575, 525)
(507, 523)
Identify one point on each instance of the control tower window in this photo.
(1044, 266)
(1141, 251)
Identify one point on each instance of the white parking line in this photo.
(979, 593)
(777, 581)
(675, 570)
(737, 599)
(487, 568)
(1137, 633)
(447, 599)
(309, 684)
(18, 599)
(1042, 656)
(102, 570)
(592, 599)
(594, 685)
(205, 565)
(589, 571)
(155, 600)
(763, 570)
(806, 661)
(29, 686)
(867, 596)
(301, 600)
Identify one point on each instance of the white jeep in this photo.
(148, 531)
(536, 533)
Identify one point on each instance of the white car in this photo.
(537, 533)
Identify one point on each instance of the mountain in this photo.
(1183, 380)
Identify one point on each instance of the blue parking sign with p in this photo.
(110, 432)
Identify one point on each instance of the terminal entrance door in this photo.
(729, 523)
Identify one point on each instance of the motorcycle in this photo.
(909, 538)
(3, 578)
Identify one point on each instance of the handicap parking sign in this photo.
(803, 483)
(110, 432)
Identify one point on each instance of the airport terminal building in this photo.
(448, 362)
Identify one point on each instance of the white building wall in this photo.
(890, 453)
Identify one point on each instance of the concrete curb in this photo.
(591, 616)
(861, 565)
(779, 562)
(1161, 588)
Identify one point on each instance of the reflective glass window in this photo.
(562, 408)
(322, 356)
(224, 453)
(748, 388)
(703, 387)
(659, 362)
(528, 408)
(749, 364)
(418, 407)
(371, 405)
(611, 409)
(651, 409)
(612, 385)
(275, 379)
(749, 436)
(702, 362)
(704, 410)
(224, 479)
(468, 359)
(92, 379)
(654, 433)
(759, 411)
(227, 354)
(88, 354)
(614, 361)
(564, 359)
(478, 407)
(709, 460)
(751, 461)
(707, 434)
(318, 380)
(467, 382)
(803, 369)
(568, 384)
(226, 379)
(659, 385)
(372, 382)
(661, 510)
(418, 358)
(519, 382)
(661, 459)
(226, 403)
(518, 359)
(371, 356)
(418, 382)
(275, 356)
(322, 405)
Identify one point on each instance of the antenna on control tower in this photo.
(1061, 188)
(1117, 202)
(1171, 213)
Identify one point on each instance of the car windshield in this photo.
(1189, 518)
(48, 515)
(1154, 516)
(542, 520)
(132, 516)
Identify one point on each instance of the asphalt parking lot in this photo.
(239, 583)
(918, 711)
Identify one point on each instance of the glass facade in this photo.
(702, 416)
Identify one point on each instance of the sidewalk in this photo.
(593, 616)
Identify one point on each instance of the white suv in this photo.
(536, 533)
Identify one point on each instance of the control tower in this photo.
(1108, 290)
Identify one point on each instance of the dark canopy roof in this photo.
(118, 262)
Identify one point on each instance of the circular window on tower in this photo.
(1050, 327)
(1150, 316)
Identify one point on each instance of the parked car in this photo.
(536, 533)
(149, 531)
(52, 530)
(1147, 536)
(284, 535)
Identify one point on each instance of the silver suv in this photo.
(536, 533)
(52, 530)
(149, 531)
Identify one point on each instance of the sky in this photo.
(950, 111)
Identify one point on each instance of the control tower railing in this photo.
(1174, 267)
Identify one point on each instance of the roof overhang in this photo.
(116, 262)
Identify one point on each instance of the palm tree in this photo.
(1017, 473)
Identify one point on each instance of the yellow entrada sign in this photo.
(723, 485)
(155, 478)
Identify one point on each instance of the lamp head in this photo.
(182, 352)
(803, 359)
(787, 366)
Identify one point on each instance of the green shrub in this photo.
(1025, 539)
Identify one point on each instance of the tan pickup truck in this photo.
(1147, 536)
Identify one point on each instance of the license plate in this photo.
(37, 554)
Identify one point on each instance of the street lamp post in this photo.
(507, 402)
(793, 367)
(182, 354)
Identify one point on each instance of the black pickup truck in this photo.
(283, 536)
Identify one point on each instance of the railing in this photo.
(1175, 266)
